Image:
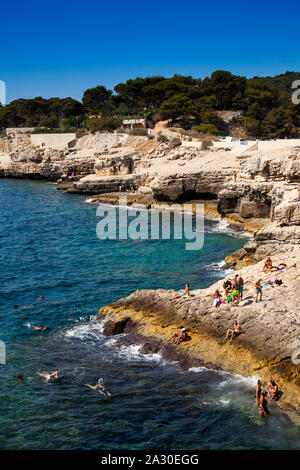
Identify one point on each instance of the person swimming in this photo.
(99, 387)
(47, 376)
(40, 328)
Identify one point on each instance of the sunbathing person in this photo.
(178, 338)
(217, 298)
(267, 265)
(185, 293)
(235, 332)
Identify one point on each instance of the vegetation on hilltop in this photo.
(184, 101)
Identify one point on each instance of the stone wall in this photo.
(53, 141)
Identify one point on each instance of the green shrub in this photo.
(206, 128)
(107, 123)
(58, 130)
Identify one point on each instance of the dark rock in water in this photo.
(150, 346)
(226, 266)
(130, 339)
(112, 328)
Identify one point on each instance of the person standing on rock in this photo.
(234, 176)
(241, 287)
(258, 288)
(263, 405)
(235, 290)
(258, 392)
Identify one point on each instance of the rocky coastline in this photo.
(263, 200)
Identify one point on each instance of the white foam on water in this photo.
(132, 352)
(236, 379)
(198, 369)
(224, 402)
(90, 201)
(92, 330)
(219, 269)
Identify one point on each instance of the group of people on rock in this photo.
(233, 292)
(272, 392)
(128, 188)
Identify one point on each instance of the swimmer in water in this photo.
(20, 378)
(47, 376)
(41, 328)
(24, 308)
(99, 387)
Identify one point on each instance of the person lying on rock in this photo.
(235, 332)
(185, 293)
(178, 338)
(258, 288)
(267, 265)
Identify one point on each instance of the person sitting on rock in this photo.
(236, 331)
(267, 265)
(272, 389)
(217, 298)
(185, 293)
(258, 289)
(178, 338)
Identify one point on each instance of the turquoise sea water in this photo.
(48, 245)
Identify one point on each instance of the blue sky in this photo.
(60, 48)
